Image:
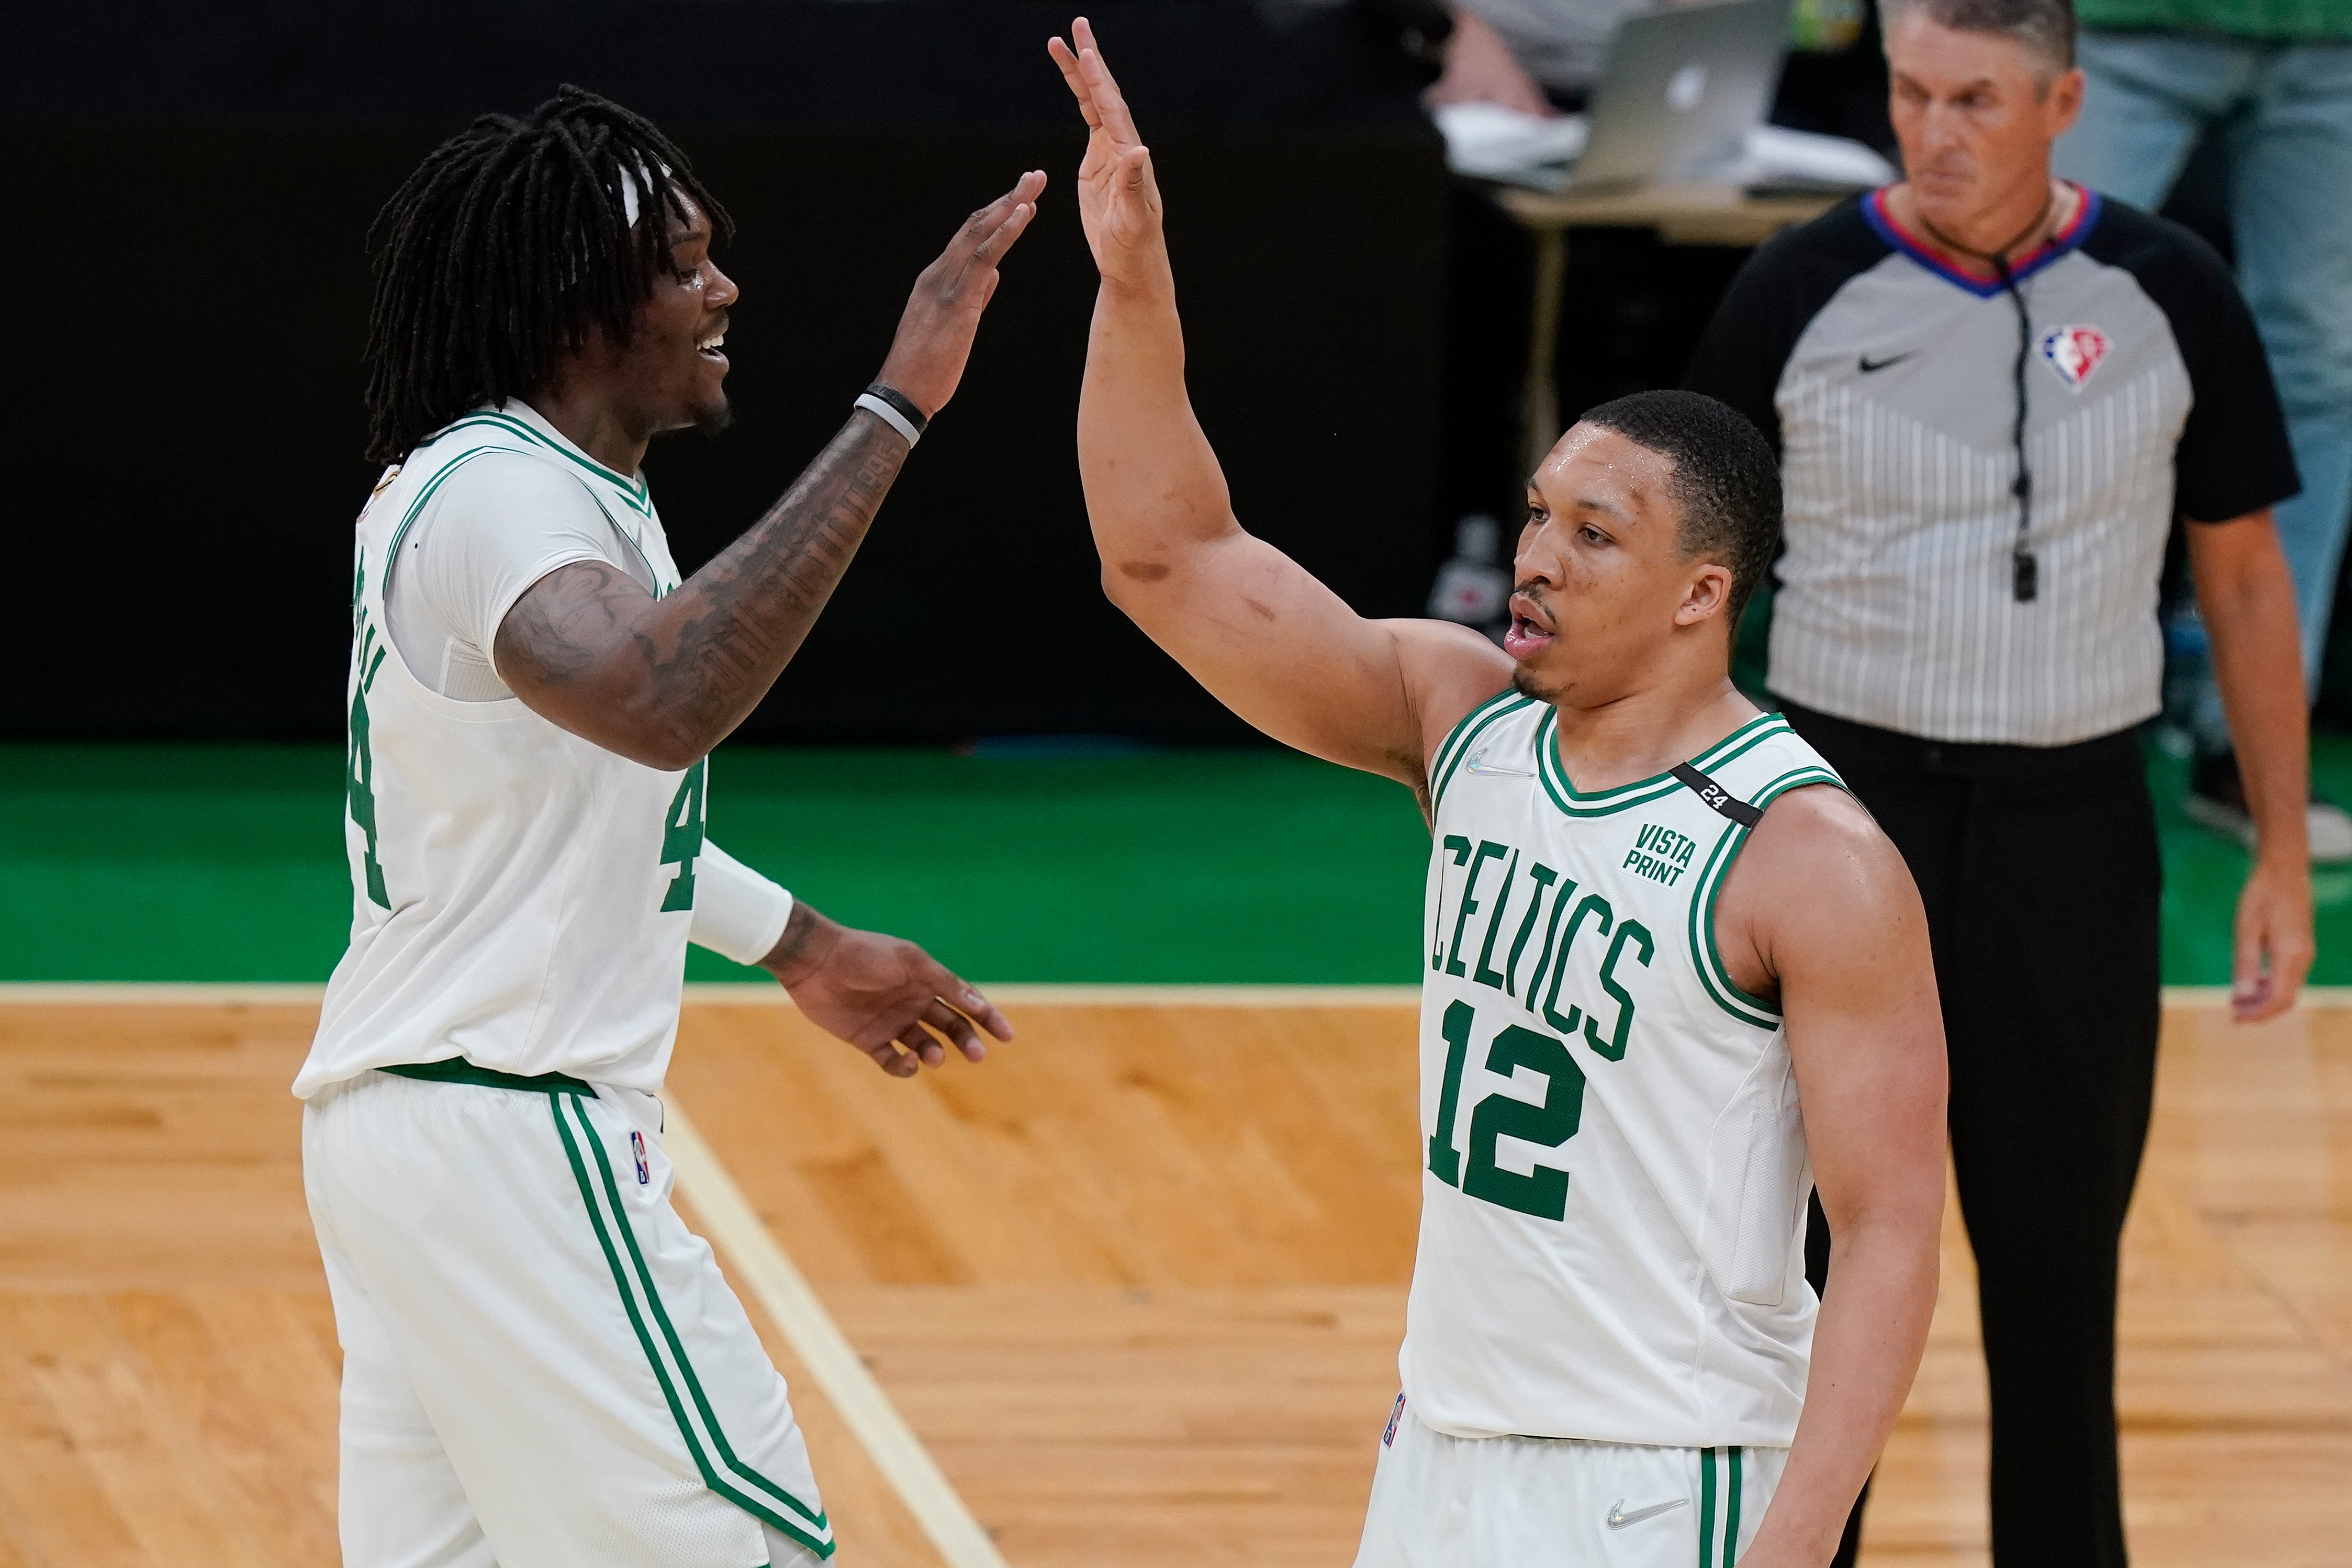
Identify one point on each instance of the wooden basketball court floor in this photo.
(1136, 1286)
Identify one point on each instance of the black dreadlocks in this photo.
(505, 249)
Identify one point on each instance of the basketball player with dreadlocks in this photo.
(542, 1368)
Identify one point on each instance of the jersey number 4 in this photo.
(359, 770)
(682, 837)
(1543, 1192)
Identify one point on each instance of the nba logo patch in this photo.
(1388, 1438)
(2074, 352)
(637, 1147)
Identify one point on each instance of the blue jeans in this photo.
(2286, 111)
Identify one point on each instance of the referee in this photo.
(1992, 393)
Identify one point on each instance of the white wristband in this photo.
(738, 913)
(889, 416)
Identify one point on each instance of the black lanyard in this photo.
(2024, 569)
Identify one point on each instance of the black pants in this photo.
(2039, 870)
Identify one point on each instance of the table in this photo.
(1681, 214)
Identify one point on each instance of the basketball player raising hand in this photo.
(1675, 977)
(542, 1367)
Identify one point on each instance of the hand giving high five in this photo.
(927, 356)
(1119, 200)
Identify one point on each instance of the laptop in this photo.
(1680, 89)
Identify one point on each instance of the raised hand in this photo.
(1119, 200)
(661, 682)
(934, 341)
(881, 994)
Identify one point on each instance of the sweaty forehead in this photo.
(1596, 469)
(695, 226)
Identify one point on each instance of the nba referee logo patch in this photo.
(2074, 352)
(1388, 1438)
(637, 1147)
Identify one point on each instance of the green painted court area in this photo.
(220, 863)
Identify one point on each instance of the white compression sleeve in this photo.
(738, 913)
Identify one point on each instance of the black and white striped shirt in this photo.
(1886, 378)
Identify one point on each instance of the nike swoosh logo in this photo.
(1867, 364)
(1619, 1518)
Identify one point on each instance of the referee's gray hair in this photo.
(2045, 26)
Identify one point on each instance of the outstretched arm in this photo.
(662, 681)
(1820, 906)
(1266, 638)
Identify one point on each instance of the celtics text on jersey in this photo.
(1611, 1234)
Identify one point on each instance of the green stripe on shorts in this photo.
(756, 1494)
(1731, 1511)
(1706, 1490)
(1706, 1508)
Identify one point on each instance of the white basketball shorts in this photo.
(542, 1367)
(1551, 1502)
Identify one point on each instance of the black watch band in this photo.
(902, 402)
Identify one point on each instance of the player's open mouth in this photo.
(709, 347)
(1527, 635)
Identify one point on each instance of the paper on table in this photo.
(1801, 160)
(1489, 142)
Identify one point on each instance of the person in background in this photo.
(1637, 305)
(1539, 57)
(1461, 57)
(1993, 390)
(2274, 80)
(1522, 54)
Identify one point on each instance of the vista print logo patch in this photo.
(2074, 352)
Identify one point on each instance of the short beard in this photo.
(1523, 683)
(714, 421)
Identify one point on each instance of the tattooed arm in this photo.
(662, 681)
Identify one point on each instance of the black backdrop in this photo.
(186, 292)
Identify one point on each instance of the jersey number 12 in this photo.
(1543, 1192)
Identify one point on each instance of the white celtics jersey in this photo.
(1613, 1197)
(520, 896)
